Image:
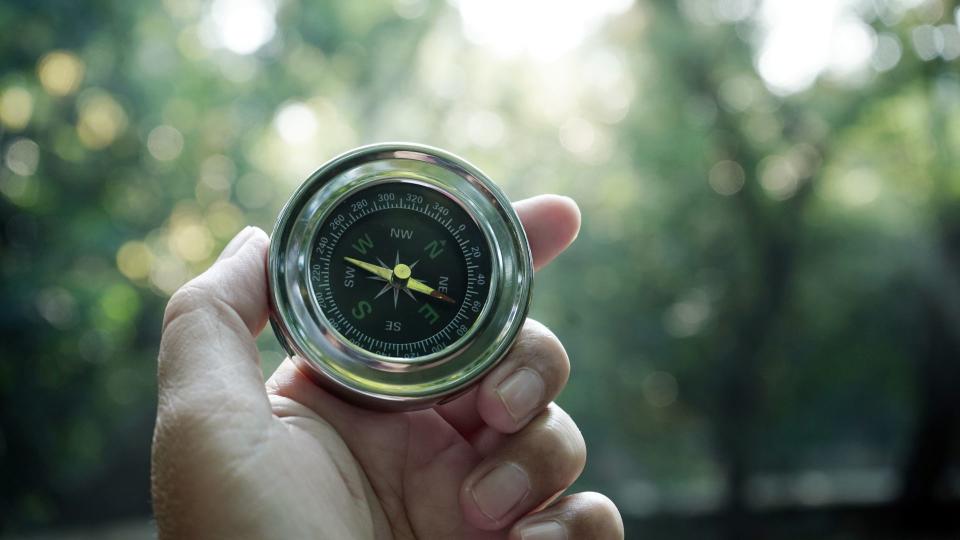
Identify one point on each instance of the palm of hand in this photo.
(381, 475)
(396, 472)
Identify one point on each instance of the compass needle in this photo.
(422, 287)
(384, 273)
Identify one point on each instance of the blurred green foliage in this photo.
(763, 306)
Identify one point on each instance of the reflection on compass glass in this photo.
(400, 269)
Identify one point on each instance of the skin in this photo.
(234, 457)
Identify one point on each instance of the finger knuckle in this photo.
(182, 414)
(602, 506)
(592, 515)
(563, 438)
(186, 300)
(544, 350)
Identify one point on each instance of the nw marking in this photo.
(403, 234)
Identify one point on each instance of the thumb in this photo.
(208, 361)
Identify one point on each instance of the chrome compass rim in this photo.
(359, 375)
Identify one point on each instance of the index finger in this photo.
(551, 223)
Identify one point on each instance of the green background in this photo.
(762, 307)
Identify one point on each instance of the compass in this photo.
(399, 274)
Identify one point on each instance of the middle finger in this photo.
(525, 471)
(529, 378)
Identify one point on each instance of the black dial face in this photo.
(400, 269)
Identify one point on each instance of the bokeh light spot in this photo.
(738, 93)
(660, 389)
(101, 119)
(224, 219)
(165, 143)
(57, 306)
(577, 135)
(22, 157)
(485, 129)
(779, 178)
(241, 26)
(60, 72)
(801, 40)
(887, 53)
(610, 85)
(295, 123)
(927, 41)
(727, 177)
(858, 187)
(21, 190)
(216, 177)
(217, 172)
(254, 191)
(134, 260)
(120, 303)
(852, 46)
(183, 9)
(168, 274)
(511, 29)
(16, 107)
(951, 41)
(192, 242)
(688, 316)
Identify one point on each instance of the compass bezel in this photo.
(351, 371)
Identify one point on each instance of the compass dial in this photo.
(400, 269)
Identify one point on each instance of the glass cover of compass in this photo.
(399, 275)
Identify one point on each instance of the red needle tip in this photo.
(441, 296)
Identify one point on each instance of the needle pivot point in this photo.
(401, 274)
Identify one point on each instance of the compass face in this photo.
(400, 269)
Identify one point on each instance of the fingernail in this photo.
(234, 245)
(501, 490)
(547, 530)
(521, 393)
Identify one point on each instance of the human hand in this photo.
(236, 458)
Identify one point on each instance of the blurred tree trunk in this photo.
(751, 313)
(924, 486)
(751, 310)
